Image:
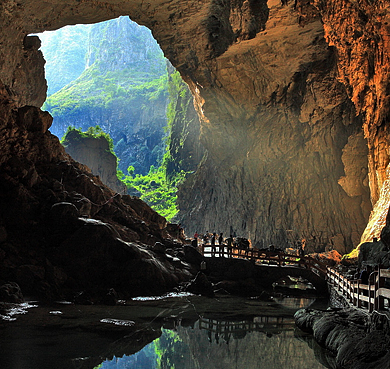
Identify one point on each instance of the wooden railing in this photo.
(266, 257)
(369, 296)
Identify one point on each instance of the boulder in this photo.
(192, 255)
(385, 233)
(373, 253)
(11, 292)
(200, 285)
(63, 213)
(330, 258)
(353, 335)
(29, 276)
(159, 248)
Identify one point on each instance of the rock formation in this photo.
(357, 339)
(96, 155)
(63, 234)
(291, 99)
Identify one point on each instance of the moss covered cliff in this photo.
(94, 149)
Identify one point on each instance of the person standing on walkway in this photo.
(195, 240)
(206, 238)
(229, 241)
(220, 243)
(213, 249)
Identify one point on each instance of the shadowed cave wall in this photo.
(293, 102)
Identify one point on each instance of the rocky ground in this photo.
(358, 339)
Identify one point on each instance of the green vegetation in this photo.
(159, 186)
(125, 84)
(73, 133)
(123, 89)
(155, 189)
(94, 91)
(354, 254)
(124, 66)
(170, 350)
(176, 89)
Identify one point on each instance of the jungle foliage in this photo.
(156, 190)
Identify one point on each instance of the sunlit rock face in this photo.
(282, 92)
(363, 51)
(286, 153)
(96, 155)
(363, 45)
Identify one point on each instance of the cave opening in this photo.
(110, 84)
(111, 74)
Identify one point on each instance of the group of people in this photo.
(215, 241)
(212, 237)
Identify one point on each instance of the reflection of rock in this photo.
(251, 340)
(325, 357)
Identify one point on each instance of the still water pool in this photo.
(181, 332)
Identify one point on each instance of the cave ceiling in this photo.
(293, 100)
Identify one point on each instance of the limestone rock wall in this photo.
(363, 53)
(282, 92)
(280, 143)
(95, 154)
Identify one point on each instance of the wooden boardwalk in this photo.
(371, 296)
(266, 257)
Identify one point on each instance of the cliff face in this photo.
(363, 52)
(95, 154)
(184, 147)
(291, 99)
(280, 137)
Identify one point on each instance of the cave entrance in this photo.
(109, 80)
(113, 75)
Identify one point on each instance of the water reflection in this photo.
(264, 342)
(186, 332)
